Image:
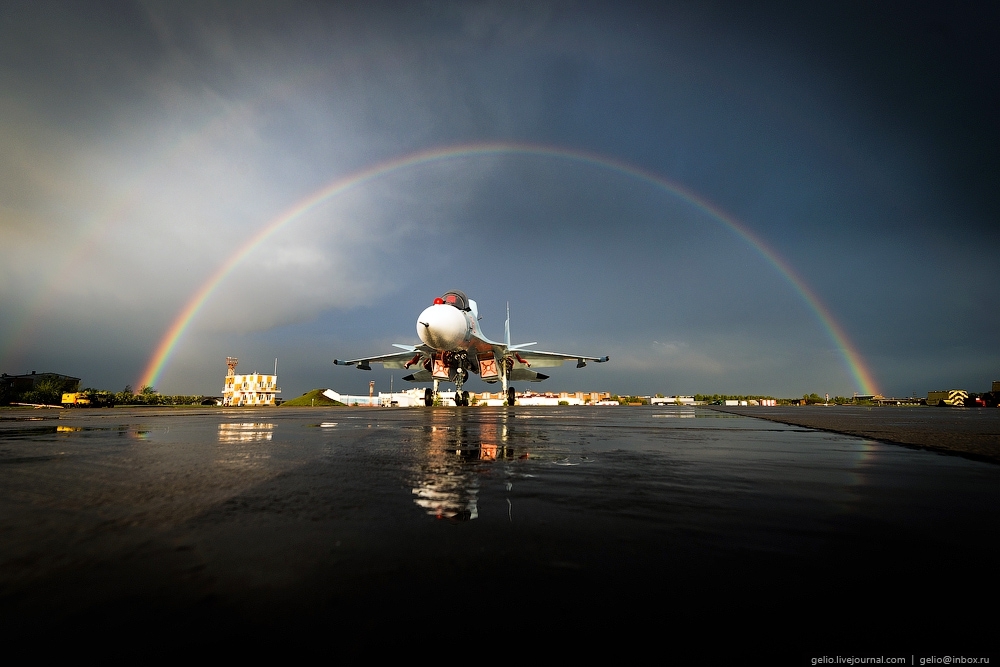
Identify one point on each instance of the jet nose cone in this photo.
(442, 327)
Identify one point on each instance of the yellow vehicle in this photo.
(77, 398)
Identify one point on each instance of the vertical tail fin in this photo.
(506, 327)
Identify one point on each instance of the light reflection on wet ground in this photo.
(261, 517)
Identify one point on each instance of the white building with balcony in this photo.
(254, 389)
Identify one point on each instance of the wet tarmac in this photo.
(709, 537)
(970, 432)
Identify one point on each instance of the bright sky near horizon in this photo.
(775, 200)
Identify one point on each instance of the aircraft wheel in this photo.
(465, 398)
(510, 396)
(428, 397)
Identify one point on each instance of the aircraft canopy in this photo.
(457, 299)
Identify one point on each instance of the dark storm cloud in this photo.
(927, 76)
(144, 142)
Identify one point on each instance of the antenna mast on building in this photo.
(231, 363)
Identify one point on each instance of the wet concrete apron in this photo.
(712, 536)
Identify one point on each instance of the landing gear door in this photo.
(441, 370)
(488, 366)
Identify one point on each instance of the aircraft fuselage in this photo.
(448, 329)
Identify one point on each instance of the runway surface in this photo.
(713, 538)
(971, 432)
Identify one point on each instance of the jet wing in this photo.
(393, 360)
(533, 358)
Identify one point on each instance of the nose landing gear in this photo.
(461, 375)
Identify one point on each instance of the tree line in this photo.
(145, 396)
(49, 391)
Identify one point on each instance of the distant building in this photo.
(244, 390)
(411, 398)
(541, 399)
(348, 399)
(672, 400)
(487, 398)
(408, 398)
(27, 382)
(253, 389)
(947, 397)
(908, 400)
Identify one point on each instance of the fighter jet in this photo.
(453, 346)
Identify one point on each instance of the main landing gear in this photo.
(461, 397)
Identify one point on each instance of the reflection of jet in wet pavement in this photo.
(453, 346)
(447, 482)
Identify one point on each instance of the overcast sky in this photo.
(143, 143)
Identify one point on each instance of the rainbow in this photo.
(855, 365)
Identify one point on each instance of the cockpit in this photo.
(457, 299)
